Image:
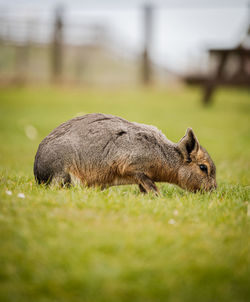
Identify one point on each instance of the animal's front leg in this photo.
(142, 190)
(146, 184)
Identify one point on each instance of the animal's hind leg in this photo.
(62, 180)
(66, 180)
(146, 184)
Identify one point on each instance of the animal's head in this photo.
(197, 171)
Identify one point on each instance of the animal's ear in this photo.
(188, 144)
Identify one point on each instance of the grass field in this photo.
(116, 245)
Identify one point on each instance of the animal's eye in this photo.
(203, 168)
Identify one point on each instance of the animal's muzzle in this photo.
(213, 186)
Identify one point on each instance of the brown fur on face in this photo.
(190, 175)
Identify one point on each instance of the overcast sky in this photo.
(182, 29)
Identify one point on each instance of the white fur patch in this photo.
(75, 181)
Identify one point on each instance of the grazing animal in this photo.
(105, 150)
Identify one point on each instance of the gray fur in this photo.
(105, 150)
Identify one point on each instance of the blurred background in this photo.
(125, 43)
(153, 62)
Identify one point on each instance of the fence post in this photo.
(57, 47)
(146, 63)
(21, 63)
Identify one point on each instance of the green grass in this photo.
(116, 245)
